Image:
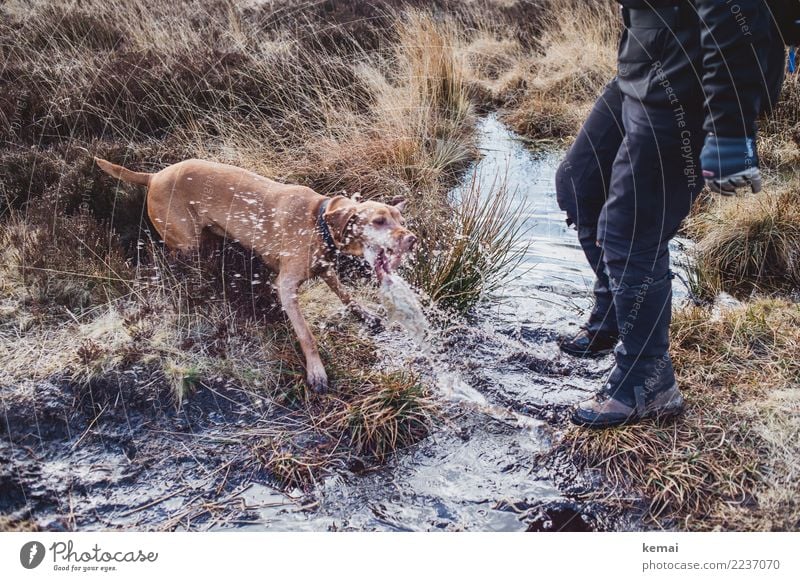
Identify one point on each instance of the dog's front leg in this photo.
(288, 287)
(330, 278)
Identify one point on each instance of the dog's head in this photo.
(370, 229)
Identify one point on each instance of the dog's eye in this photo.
(379, 221)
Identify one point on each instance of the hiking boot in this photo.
(588, 343)
(604, 411)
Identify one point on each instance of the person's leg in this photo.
(582, 185)
(655, 178)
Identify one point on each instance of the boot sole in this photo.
(586, 354)
(667, 412)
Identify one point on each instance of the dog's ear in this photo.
(398, 202)
(338, 215)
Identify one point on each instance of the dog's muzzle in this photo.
(386, 260)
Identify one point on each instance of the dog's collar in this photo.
(324, 229)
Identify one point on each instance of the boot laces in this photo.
(604, 394)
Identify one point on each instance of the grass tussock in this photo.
(729, 462)
(483, 247)
(389, 411)
(377, 414)
(9, 525)
(750, 244)
(576, 57)
(779, 136)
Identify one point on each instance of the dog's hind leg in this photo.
(178, 229)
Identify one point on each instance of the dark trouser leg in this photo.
(602, 317)
(655, 178)
(582, 186)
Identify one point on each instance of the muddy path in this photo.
(106, 456)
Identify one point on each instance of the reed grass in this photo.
(484, 246)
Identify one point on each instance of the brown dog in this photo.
(296, 231)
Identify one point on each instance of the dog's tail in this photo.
(123, 174)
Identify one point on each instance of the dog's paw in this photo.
(317, 380)
(372, 322)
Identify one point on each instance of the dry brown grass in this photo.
(182, 345)
(749, 244)
(730, 461)
(9, 525)
(386, 412)
(779, 135)
(483, 245)
(576, 58)
(294, 466)
(497, 68)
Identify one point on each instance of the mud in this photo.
(121, 454)
(108, 456)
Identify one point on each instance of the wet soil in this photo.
(105, 456)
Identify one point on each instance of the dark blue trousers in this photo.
(627, 182)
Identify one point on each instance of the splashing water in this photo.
(403, 307)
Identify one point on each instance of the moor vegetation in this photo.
(377, 99)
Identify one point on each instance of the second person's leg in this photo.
(582, 186)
